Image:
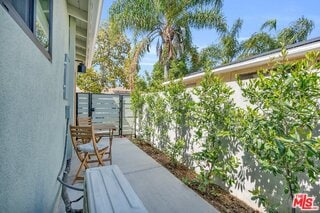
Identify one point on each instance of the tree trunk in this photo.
(166, 71)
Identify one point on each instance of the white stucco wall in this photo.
(32, 115)
(249, 175)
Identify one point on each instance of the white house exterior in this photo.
(41, 44)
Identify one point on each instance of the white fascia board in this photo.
(292, 53)
(94, 14)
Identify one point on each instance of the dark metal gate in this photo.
(107, 108)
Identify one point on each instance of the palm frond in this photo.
(196, 4)
(270, 25)
(133, 14)
(257, 44)
(296, 32)
(236, 27)
(211, 19)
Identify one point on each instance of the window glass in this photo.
(24, 9)
(42, 22)
(33, 15)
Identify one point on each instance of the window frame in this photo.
(30, 30)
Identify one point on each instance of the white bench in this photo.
(107, 190)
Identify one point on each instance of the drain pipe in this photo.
(64, 193)
(63, 181)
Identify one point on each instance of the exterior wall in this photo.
(32, 115)
(249, 174)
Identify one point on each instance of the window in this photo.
(248, 76)
(35, 18)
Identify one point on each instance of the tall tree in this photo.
(167, 21)
(111, 55)
(90, 81)
(296, 32)
(228, 47)
(264, 41)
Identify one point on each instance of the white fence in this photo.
(249, 174)
(107, 108)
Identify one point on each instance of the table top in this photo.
(104, 126)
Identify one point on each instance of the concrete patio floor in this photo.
(158, 189)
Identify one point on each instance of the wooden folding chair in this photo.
(85, 121)
(85, 145)
(99, 133)
(102, 132)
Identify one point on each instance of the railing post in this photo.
(77, 108)
(120, 114)
(89, 104)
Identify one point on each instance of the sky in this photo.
(253, 13)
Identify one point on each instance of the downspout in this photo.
(63, 181)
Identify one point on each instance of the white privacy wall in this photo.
(249, 174)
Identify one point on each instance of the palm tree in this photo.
(296, 32)
(263, 41)
(258, 43)
(227, 49)
(169, 22)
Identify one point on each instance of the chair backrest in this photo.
(81, 135)
(86, 121)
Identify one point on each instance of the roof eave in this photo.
(94, 13)
(293, 52)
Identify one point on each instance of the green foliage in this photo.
(278, 128)
(90, 81)
(175, 150)
(228, 47)
(180, 106)
(262, 41)
(180, 103)
(41, 35)
(148, 128)
(138, 101)
(169, 22)
(259, 196)
(170, 109)
(178, 69)
(214, 117)
(258, 43)
(270, 24)
(111, 55)
(156, 78)
(296, 32)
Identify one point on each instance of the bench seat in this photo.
(107, 190)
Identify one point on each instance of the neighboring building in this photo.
(78, 90)
(116, 90)
(41, 44)
(248, 68)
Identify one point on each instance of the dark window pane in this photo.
(25, 10)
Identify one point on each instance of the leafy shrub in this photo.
(214, 118)
(278, 128)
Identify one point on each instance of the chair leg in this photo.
(110, 148)
(110, 156)
(100, 157)
(83, 164)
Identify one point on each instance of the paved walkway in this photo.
(158, 189)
